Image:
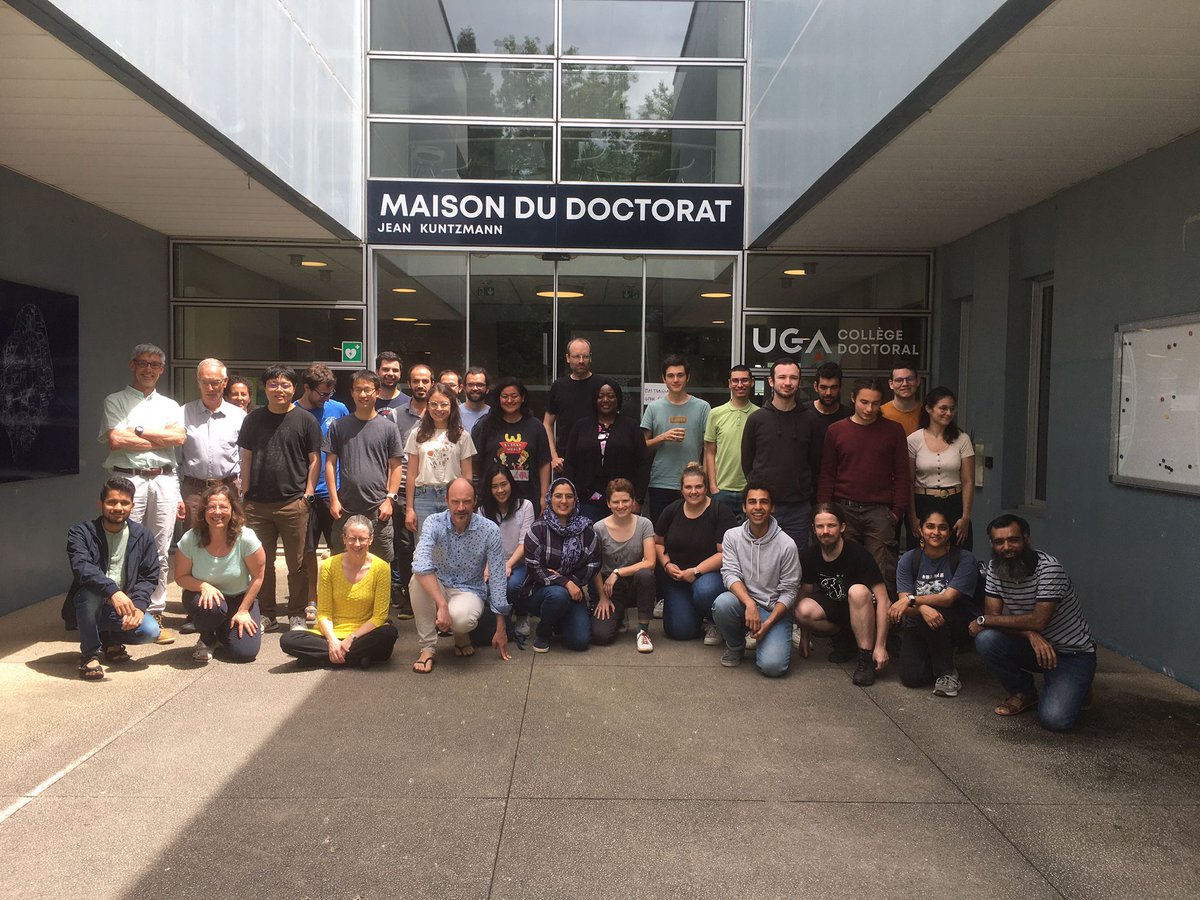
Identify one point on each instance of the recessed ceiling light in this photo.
(614, 330)
(349, 319)
(718, 321)
(404, 290)
(716, 295)
(422, 324)
(313, 264)
(562, 295)
(304, 340)
(403, 319)
(799, 271)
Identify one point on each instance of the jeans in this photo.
(520, 604)
(99, 625)
(427, 500)
(402, 546)
(593, 512)
(794, 520)
(928, 653)
(557, 610)
(773, 655)
(732, 501)
(1012, 660)
(216, 628)
(686, 606)
(381, 545)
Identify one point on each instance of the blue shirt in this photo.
(325, 415)
(458, 560)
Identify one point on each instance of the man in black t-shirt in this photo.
(843, 596)
(571, 397)
(281, 451)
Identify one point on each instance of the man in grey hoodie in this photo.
(761, 571)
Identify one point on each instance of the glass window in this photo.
(300, 334)
(463, 26)
(654, 28)
(837, 282)
(688, 93)
(422, 308)
(1038, 449)
(256, 272)
(184, 388)
(689, 310)
(451, 151)
(411, 87)
(512, 320)
(862, 344)
(663, 155)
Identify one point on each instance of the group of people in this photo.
(456, 506)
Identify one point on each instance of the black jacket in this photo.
(87, 553)
(782, 449)
(625, 456)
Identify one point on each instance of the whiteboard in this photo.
(1156, 405)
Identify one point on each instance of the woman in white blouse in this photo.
(941, 465)
(439, 450)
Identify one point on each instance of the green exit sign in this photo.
(352, 352)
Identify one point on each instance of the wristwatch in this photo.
(393, 497)
(980, 622)
(139, 430)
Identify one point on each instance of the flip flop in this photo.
(89, 672)
(424, 664)
(1015, 704)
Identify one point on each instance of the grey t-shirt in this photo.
(670, 457)
(614, 554)
(118, 545)
(363, 450)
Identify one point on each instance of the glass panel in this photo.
(690, 93)
(446, 151)
(409, 87)
(681, 319)
(184, 387)
(861, 344)
(657, 28)
(248, 272)
(463, 26)
(1042, 449)
(664, 155)
(422, 299)
(296, 334)
(608, 314)
(837, 282)
(510, 324)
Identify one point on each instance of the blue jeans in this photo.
(99, 625)
(734, 501)
(1012, 660)
(794, 520)
(686, 606)
(558, 611)
(427, 500)
(774, 653)
(216, 629)
(593, 512)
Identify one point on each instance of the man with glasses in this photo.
(142, 428)
(281, 450)
(572, 396)
(210, 447)
(904, 407)
(723, 442)
(472, 409)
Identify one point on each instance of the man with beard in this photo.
(389, 369)
(827, 408)
(1033, 622)
(472, 409)
(571, 397)
(843, 597)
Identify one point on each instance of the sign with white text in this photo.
(858, 343)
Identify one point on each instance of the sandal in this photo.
(1015, 704)
(116, 653)
(424, 663)
(310, 615)
(91, 670)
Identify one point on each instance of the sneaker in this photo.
(947, 686)
(202, 653)
(751, 643)
(732, 657)
(864, 672)
(644, 644)
(165, 635)
(268, 623)
(310, 615)
(404, 612)
(712, 636)
(296, 623)
(658, 609)
(521, 626)
(188, 627)
(541, 645)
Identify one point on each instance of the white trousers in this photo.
(465, 610)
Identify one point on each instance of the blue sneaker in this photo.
(541, 644)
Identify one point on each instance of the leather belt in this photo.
(938, 491)
(145, 473)
(855, 504)
(209, 482)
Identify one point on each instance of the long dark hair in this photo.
(487, 501)
(454, 427)
(493, 422)
(237, 518)
(932, 399)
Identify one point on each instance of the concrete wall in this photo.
(282, 80)
(119, 272)
(1119, 251)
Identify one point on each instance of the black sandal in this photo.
(116, 653)
(89, 672)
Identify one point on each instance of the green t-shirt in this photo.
(229, 573)
(118, 544)
(725, 425)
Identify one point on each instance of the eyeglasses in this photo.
(439, 405)
(211, 383)
(153, 366)
(324, 395)
(907, 379)
(279, 386)
(350, 539)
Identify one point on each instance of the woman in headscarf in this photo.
(562, 557)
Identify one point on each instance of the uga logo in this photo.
(788, 340)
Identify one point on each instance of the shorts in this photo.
(837, 612)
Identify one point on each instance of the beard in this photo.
(1018, 568)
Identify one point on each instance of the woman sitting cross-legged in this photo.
(562, 557)
(219, 564)
(626, 568)
(354, 591)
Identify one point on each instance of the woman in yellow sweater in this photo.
(353, 593)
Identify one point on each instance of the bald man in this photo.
(210, 447)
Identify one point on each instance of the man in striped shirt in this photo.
(1033, 622)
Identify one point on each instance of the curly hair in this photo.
(237, 517)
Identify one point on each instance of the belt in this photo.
(145, 473)
(938, 491)
(854, 504)
(209, 482)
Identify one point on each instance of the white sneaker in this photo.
(521, 626)
(644, 644)
(947, 686)
(658, 609)
(712, 636)
(751, 642)
(202, 653)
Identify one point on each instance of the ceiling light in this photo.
(718, 321)
(304, 340)
(614, 330)
(404, 290)
(349, 319)
(566, 294)
(716, 295)
(422, 324)
(313, 264)
(403, 319)
(802, 270)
